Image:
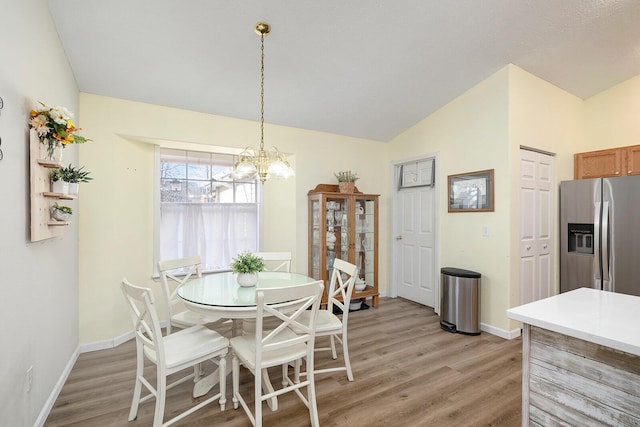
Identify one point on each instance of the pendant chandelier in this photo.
(262, 164)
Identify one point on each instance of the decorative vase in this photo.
(346, 187)
(51, 151)
(247, 279)
(60, 187)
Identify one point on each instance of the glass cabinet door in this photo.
(315, 236)
(337, 232)
(366, 240)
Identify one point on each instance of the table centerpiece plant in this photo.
(55, 129)
(247, 266)
(346, 181)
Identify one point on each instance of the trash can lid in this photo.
(459, 272)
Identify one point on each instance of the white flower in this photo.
(39, 123)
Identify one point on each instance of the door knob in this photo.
(399, 237)
(528, 247)
(544, 246)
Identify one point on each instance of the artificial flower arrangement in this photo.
(54, 127)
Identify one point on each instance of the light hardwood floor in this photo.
(408, 372)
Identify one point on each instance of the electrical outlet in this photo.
(29, 378)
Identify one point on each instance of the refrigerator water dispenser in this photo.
(580, 238)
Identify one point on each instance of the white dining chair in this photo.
(183, 349)
(276, 261)
(276, 345)
(174, 273)
(329, 324)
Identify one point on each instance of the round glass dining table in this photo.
(220, 294)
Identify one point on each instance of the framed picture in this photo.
(471, 192)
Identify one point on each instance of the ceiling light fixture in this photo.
(262, 164)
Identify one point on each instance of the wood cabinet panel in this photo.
(633, 160)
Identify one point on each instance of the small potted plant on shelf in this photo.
(74, 176)
(247, 266)
(346, 181)
(58, 183)
(61, 213)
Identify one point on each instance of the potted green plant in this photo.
(58, 183)
(346, 181)
(74, 176)
(61, 213)
(247, 266)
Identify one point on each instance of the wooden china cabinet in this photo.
(345, 226)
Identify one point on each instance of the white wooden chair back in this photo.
(146, 325)
(340, 290)
(286, 316)
(174, 273)
(276, 261)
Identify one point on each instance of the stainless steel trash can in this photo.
(460, 301)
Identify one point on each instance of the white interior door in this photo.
(414, 244)
(536, 226)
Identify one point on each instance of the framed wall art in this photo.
(471, 192)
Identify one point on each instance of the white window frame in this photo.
(157, 198)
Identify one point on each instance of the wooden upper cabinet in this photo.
(605, 163)
(633, 160)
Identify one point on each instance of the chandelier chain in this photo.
(262, 91)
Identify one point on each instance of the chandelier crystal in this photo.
(262, 163)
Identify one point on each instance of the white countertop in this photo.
(606, 318)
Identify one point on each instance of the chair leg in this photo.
(222, 370)
(133, 413)
(285, 374)
(257, 395)
(235, 368)
(333, 347)
(311, 394)
(161, 392)
(345, 354)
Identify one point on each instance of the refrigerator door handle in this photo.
(596, 242)
(605, 241)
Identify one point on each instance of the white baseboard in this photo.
(106, 344)
(502, 333)
(46, 409)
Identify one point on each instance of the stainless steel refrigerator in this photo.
(600, 234)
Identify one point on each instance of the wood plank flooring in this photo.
(408, 372)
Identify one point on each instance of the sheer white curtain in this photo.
(216, 232)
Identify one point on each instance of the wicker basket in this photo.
(347, 187)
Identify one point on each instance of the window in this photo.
(203, 210)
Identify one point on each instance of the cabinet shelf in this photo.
(58, 223)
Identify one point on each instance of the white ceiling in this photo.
(363, 68)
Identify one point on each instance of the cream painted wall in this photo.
(39, 280)
(115, 244)
(546, 118)
(471, 134)
(612, 118)
(484, 129)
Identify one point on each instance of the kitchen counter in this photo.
(580, 359)
(600, 317)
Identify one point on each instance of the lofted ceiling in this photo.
(362, 68)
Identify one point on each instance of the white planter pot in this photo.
(74, 187)
(247, 279)
(61, 187)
